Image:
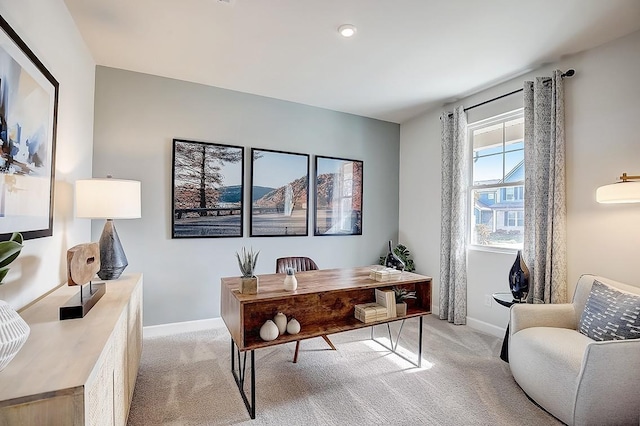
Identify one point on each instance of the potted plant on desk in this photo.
(247, 263)
(402, 294)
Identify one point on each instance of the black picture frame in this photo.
(279, 193)
(338, 187)
(28, 122)
(207, 197)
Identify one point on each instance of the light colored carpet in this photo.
(185, 379)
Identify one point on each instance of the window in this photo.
(497, 181)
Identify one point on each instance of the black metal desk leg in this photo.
(240, 375)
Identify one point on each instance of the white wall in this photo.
(601, 111)
(47, 28)
(138, 115)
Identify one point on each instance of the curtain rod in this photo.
(569, 73)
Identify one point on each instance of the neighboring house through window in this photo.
(497, 187)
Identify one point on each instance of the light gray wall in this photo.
(136, 118)
(48, 30)
(601, 111)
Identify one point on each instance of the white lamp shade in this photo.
(621, 192)
(108, 199)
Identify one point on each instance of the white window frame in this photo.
(511, 115)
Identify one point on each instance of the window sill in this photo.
(492, 249)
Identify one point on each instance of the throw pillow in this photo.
(610, 314)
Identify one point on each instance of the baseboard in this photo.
(181, 327)
(485, 327)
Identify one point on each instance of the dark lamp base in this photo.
(80, 304)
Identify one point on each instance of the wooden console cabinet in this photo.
(78, 371)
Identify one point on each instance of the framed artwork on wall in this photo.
(207, 190)
(28, 115)
(279, 193)
(338, 196)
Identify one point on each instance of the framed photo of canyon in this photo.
(279, 193)
(28, 116)
(207, 190)
(338, 196)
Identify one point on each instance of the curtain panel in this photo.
(453, 252)
(545, 195)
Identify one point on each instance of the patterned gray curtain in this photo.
(453, 251)
(545, 197)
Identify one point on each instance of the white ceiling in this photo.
(407, 56)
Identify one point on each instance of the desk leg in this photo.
(394, 346)
(240, 376)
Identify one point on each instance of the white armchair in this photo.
(578, 380)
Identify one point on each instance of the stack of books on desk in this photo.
(370, 312)
(383, 274)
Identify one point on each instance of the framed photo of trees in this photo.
(207, 190)
(338, 190)
(279, 193)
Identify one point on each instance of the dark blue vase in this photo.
(393, 261)
(519, 278)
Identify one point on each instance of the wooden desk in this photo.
(323, 304)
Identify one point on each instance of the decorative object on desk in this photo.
(14, 331)
(279, 193)
(293, 326)
(27, 155)
(83, 262)
(403, 253)
(402, 295)
(392, 260)
(269, 331)
(207, 190)
(387, 299)
(280, 321)
(290, 281)
(109, 199)
(382, 273)
(519, 278)
(338, 196)
(247, 263)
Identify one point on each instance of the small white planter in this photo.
(14, 332)
(401, 309)
(290, 283)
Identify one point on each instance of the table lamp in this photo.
(109, 199)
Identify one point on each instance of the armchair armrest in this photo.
(610, 368)
(524, 315)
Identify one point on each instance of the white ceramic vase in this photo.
(14, 332)
(281, 322)
(290, 283)
(269, 331)
(293, 327)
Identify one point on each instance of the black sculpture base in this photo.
(81, 303)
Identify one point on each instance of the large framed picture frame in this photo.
(279, 193)
(338, 196)
(28, 116)
(207, 190)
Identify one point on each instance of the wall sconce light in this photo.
(109, 199)
(626, 191)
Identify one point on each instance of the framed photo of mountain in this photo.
(207, 190)
(279, 193)
(338, 196)
(28, 117)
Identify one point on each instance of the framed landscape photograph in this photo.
(28, 114)
(279, 193)
(338, 191)
(207, 190)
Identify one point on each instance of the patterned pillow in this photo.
(610, 314)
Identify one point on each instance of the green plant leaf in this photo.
(9, 251)
(3, 273)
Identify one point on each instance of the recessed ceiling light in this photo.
(347, 30)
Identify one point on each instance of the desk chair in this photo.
(299, 264)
